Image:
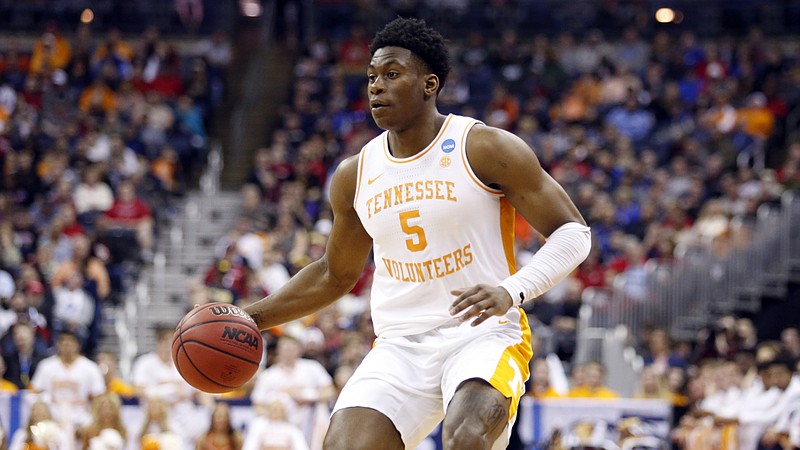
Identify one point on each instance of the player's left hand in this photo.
(480, 302)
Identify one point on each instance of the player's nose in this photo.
(376, 86)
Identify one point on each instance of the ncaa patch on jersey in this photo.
(448, 146)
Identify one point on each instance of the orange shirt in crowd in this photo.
(50, 52)
(756, 122)
(588, 392)
(97, 96)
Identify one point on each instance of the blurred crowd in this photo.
(99, 135)
(663, 139)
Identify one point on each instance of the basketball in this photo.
(217, 347)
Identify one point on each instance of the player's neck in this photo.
(412, 140)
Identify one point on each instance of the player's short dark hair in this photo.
(424, 42)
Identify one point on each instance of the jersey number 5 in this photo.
(413, 244)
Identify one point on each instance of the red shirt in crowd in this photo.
(128, 210)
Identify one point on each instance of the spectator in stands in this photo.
(22, 310)
(165, 169)
(159, 430)
(221, 434)
(69, 381)
(130, 213)
(76, 303)
(541, 387)
(92, 196)
(156, 380)
(217, 52)
(306, 383)
(274, 429)
(92, 268)
(48, 433)
(22, 356)
(107, 362)
(98, 98)
(779, 373)
(592, 383)
(273, 273)
(50, 52)
(660, 354)
(106, 417)
(652, 384)
(227, 277)
(631, 120)
(791, 342)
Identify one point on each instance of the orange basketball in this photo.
(217, 347)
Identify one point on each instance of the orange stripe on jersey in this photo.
(471, 174)
(420, 154)
(512, 370)
(360, 174)
(507, 216)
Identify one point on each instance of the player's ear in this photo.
(431, 84)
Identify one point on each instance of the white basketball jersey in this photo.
(435, 226)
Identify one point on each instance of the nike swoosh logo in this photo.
(372, 180)
(502, 322)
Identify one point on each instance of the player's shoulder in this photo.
(486, 144)
(349, 165)
(482, 136)
(343, 181)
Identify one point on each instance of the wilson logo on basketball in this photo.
(240, 336)
(228, 311)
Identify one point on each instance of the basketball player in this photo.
(434, 196)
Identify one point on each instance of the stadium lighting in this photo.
(665, 15)
(87, 16)
(250, 8)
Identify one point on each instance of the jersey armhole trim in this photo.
(361, 156)
(467, 165)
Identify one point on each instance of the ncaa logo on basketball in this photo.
(448, 146)
(241, 336)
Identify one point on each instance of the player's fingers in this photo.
(464, 293)
(486, 307)
(490, 308)
(465, 300)
(480, 319)
(473, 311)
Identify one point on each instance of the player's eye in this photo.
(371, 78)
(392, 74)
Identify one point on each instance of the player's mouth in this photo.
(377, 105)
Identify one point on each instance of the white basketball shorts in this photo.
(411, 379)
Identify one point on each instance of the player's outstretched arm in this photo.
(324, 281)
(504, 161)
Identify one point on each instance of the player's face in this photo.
(396, 87)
